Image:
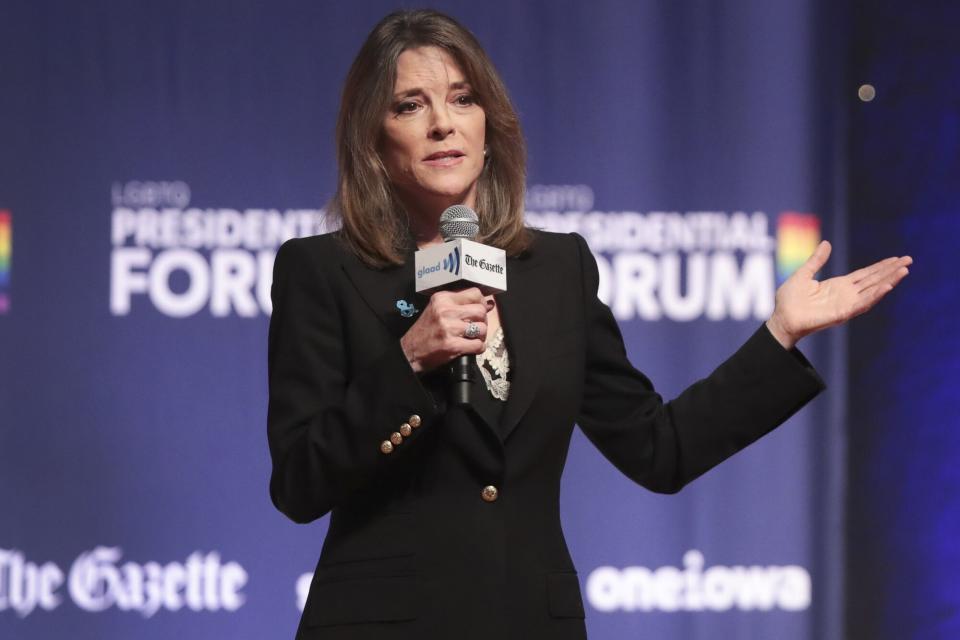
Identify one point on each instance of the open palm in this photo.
(805, 305)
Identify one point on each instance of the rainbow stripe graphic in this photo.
(6, 254)
(798, 234)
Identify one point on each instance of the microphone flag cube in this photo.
(460, 264)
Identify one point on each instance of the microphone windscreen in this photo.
(459, 221)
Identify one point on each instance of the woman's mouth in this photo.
(446, 158)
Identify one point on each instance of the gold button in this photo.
(489, 493)
(396, 438)
(414, 421)
(405, 430)
(386, 447)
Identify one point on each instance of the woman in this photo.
(444, 519)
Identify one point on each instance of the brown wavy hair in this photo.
(372, 219)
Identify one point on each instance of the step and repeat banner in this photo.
(154, 157)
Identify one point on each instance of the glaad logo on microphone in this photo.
(451, 263)
(460, 261)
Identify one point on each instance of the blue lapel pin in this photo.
(406, 308)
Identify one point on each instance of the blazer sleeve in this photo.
(325, 424)
(664, 446)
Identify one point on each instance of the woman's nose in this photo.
(442, 124)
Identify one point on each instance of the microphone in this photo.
(459, 221)
(460, 263)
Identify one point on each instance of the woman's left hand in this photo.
(804, 305)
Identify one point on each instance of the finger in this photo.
(481, 328)
(815, 262)
(466, 312)
(885, 273)
(463, 346)
(467, 296)
(871, 296)
(866, 272)
(453, 326)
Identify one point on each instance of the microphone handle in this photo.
(461, 379)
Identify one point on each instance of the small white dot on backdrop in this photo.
(866, 92)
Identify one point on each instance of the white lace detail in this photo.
(494, 364)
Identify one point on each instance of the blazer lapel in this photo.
(386, 291)
(524, 308)
(523, 312)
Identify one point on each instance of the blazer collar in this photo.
(521, 309)
(386, 290)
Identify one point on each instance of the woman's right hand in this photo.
(437, 337)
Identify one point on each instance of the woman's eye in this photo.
(405, 107)
(464, 99)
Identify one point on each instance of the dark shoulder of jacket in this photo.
(572, 258)
(309, 262)
(326, 245)
(324, 252)
(551, 246)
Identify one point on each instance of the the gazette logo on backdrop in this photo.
(681, 266)
(97, 581)
(6, 256)
(183, 260)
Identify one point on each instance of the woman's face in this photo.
(433, 133)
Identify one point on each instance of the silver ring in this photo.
(472, 331)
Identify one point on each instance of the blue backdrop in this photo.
(904, 487)
(155, 155)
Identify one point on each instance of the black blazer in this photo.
(416, 548)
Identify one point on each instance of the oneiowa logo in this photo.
(182, 260)
(697, 588)
(683, 266)
(6, 255)
(451, 263)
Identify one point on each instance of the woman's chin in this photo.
(446, 195)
